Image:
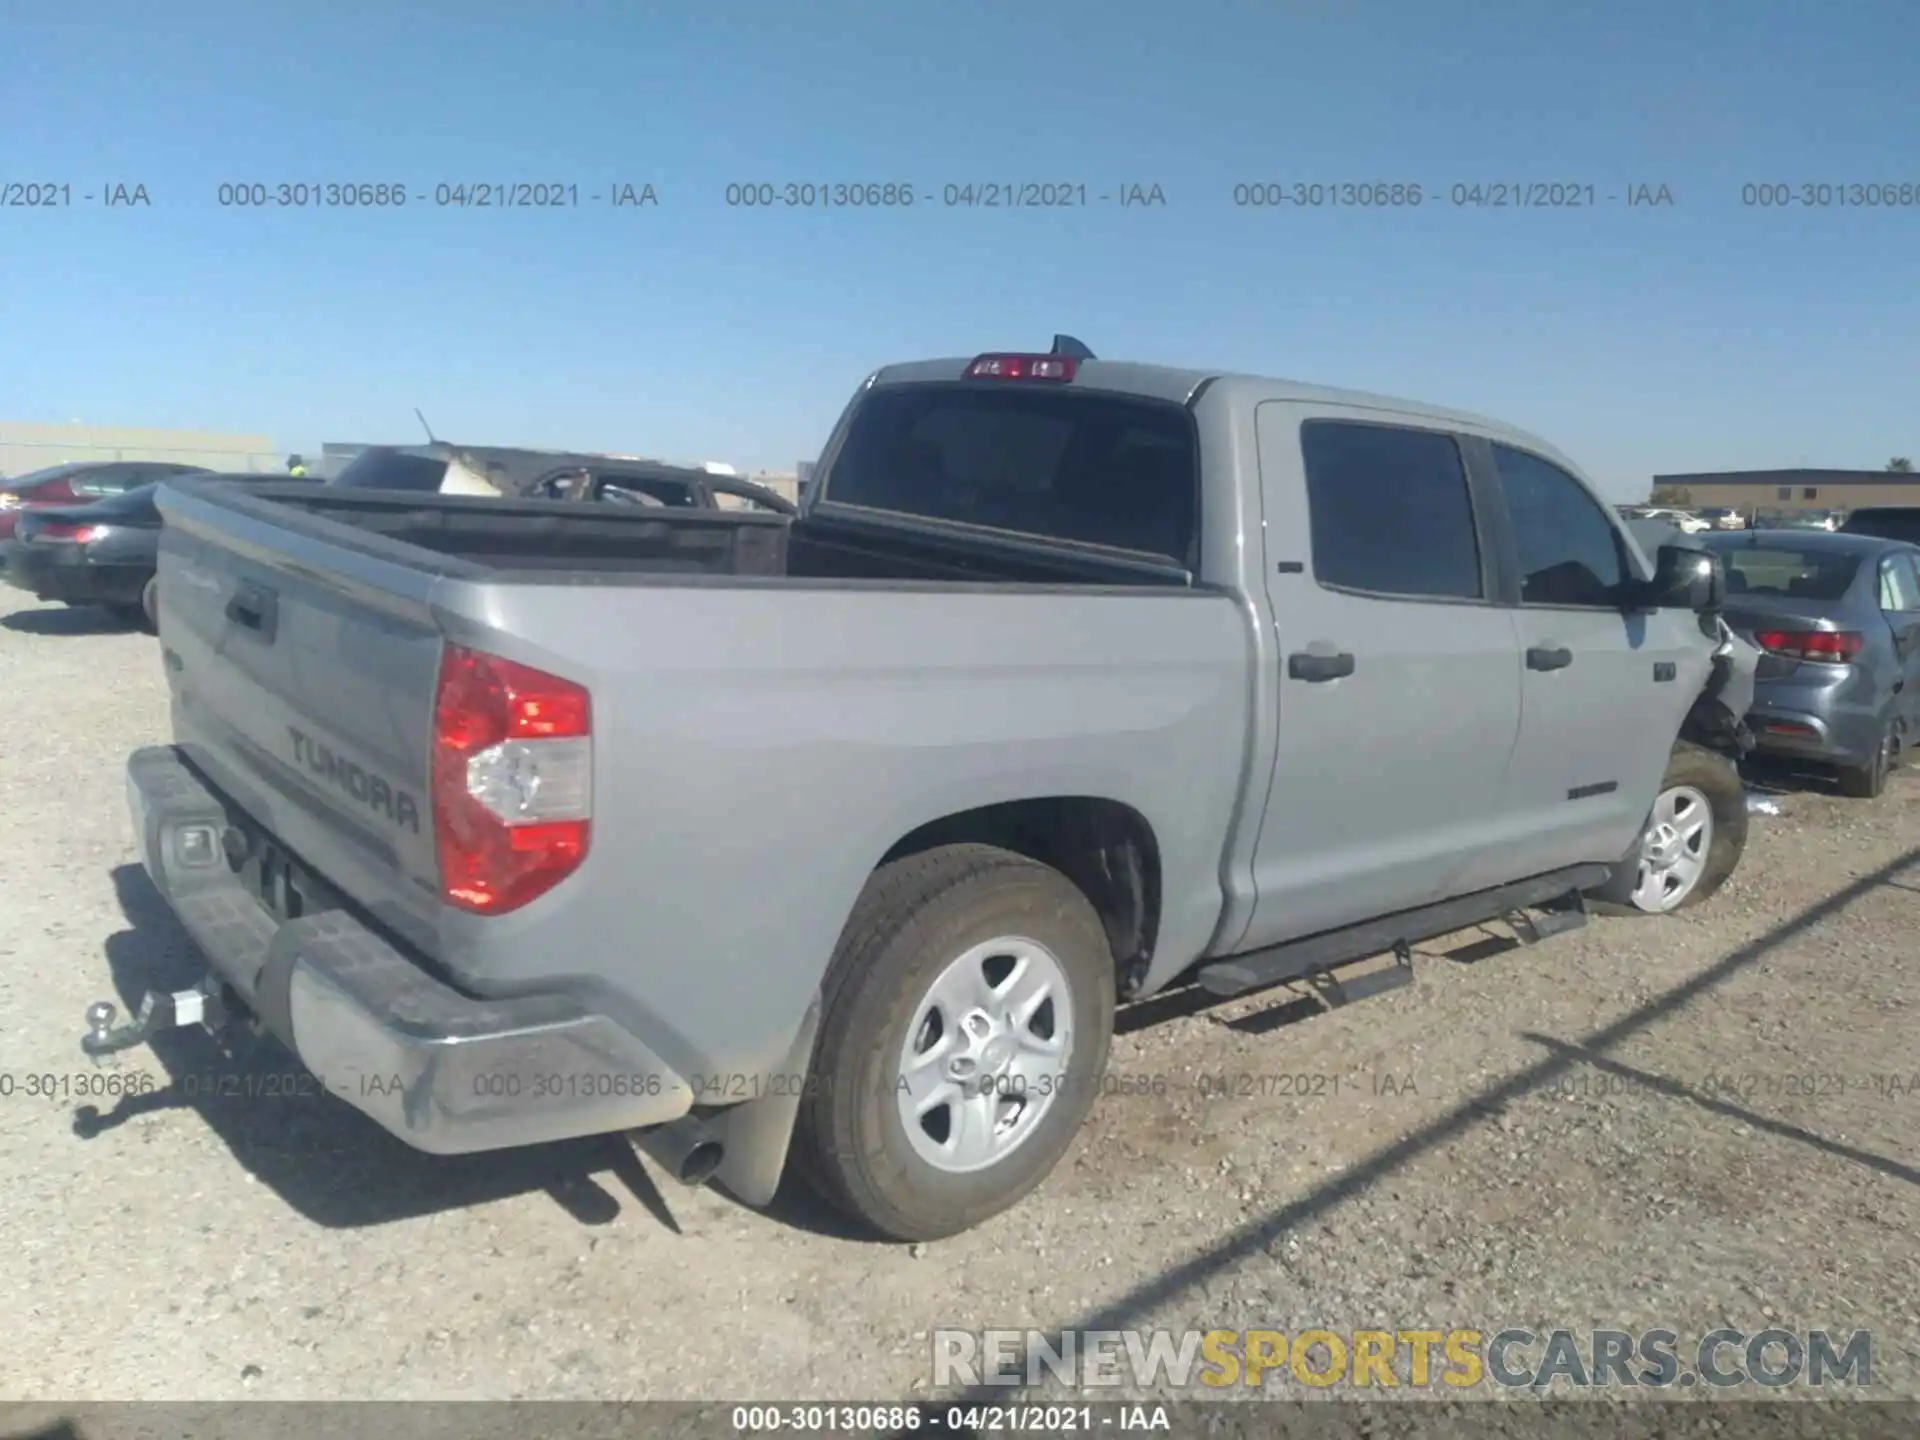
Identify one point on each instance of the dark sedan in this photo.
(1889, 522)
(98, 554)
(1837, 621)
(79, 483)
(104, 553)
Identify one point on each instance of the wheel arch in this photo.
(1107, 848)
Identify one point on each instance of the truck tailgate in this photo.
(302, 663)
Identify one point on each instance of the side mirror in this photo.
(1686, 579)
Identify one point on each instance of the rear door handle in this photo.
(1542, 657)
(1305, 665)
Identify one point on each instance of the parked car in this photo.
(1890, 522)
(1825, 520)
(549, 475)
(1837, 618)
(560, 842)
(79, 483)
(1681, 520)
(98, 553)
(1721, 517)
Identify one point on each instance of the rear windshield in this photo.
(1096, 469)
(388, 470)
(1887, 524)
(1782, 570)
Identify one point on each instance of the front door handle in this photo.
(1305, 665)
(1542, 657)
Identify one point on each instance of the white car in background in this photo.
(1681, 520)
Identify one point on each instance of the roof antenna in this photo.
(432, 438)
(1071, 348)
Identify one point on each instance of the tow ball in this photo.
(161, 1010)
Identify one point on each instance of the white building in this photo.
(25, 446)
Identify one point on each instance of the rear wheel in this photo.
(1865, 782)
(964, 1032)
(1694, 837)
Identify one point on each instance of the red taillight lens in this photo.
(62, 531)
(1829, 647)
(512, 780)
(1057, 368)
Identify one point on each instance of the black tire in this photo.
(1866, 782)
(1715, 777)
(128, 614)
(914, 918)
(150, 605)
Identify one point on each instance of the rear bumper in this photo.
(64, 572)
(446, 1072)
(1831, 733)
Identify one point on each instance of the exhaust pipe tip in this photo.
(687, 1149)
(701, 1162)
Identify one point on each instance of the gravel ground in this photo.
(1606, 1130)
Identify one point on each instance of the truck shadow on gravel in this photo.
(326, 1159)
(1259, 1236)
(76, 620)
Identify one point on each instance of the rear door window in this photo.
(1093, 469)
(1389, 511)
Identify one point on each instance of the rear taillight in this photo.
(1828, 647)
(62, 531)
(512, 780)
(1057, 368)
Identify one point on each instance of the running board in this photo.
(1315, 955)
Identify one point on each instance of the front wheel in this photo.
(964, 1031)
(1693, 839)
(150, 604)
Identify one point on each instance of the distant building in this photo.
(1796, 489)
(25, 447)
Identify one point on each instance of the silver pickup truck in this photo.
(841, 837)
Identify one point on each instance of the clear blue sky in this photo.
(1704, 335)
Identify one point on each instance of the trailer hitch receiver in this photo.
(161, 1010)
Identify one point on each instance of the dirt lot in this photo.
(1611, 1129)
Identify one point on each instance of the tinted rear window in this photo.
(1787, 572)
(373, 470)
(1096, 469)
(1887, 524)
